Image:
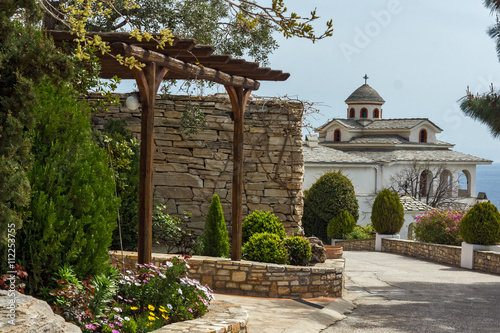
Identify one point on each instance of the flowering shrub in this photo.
(140, 300)
(8, 281)
(439, 227)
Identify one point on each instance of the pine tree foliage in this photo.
(73, 205)
(485, 107)
(331, 194)
(215, 239)
(387, 213)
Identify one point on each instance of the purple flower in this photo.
(90, 327)
(190, 310)
(111, 325)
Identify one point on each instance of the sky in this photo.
(420, 56)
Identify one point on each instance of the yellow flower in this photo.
(151, 318)
(150, 307)
(133, 308)
(162, 308)
(149, 324)
(164, 316)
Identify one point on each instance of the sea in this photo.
(488, 181)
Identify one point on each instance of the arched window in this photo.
(426, 180)
(422, 136)
(336, 135)
(352, 113)
(375, 114)
(464, 185)
(364, 113)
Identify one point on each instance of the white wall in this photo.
(415, 133)
(362, 176)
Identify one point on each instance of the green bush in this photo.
(299, 250)
(387, 213)
(259, 222)
(340, 225)
(124, 156)
(331, 194)
(481, 224)
(361, 232)
(265, 247)
(73, 204)
(215, 239)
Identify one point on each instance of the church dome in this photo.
(365, 93)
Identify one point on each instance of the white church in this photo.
(377, 153)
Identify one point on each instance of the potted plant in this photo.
(387, 216)
(480, 230)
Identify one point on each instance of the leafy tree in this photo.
(73, 205)
(330, 195)
(25, 58)
(485, 107)
(235, 27)
(215, 239)
(387, 213)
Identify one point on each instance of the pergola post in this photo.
(239, 97)
(148, 80)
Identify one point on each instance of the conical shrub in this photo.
(387, 213)
(481, 224)
(215, 239)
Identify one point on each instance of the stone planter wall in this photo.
(258, 279)
(487, 261)
(357, 244)
(445, 254)
(189, 170)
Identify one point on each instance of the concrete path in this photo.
(395, 293)
(279, 315)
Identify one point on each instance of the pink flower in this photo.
(90, 327)
(190, 310)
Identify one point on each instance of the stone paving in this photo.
(395, 293)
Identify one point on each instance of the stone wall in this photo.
(357, 244)
(487, 261)
(189, 170)
(445, 254)
(258, 279)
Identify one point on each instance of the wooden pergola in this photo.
(182, 60)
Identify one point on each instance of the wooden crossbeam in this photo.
(189, 71)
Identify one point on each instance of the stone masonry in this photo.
(255, 278)
(189, 170)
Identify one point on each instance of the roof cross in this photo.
(366, 78)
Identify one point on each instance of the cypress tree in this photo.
(215, 239)
(387, 213)
(73, 205)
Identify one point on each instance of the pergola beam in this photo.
(188, 70)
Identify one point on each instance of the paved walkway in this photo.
(392, 293)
